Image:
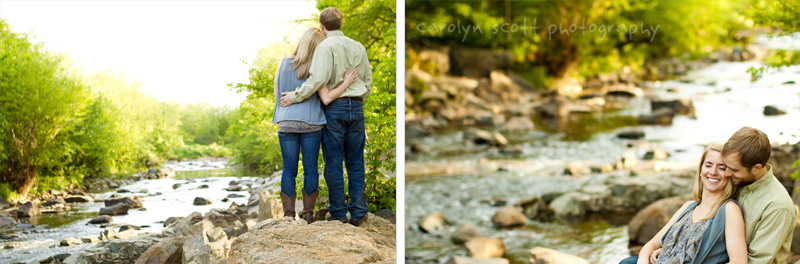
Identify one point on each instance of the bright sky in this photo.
(183, 51)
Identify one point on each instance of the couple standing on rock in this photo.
(310, 115)
(740, 212)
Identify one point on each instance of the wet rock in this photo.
(631, 135)
(479, 137)
(201, 201)
(25, 226)
(683, 106)
(432, 222)
(176, 186)
(53, 202)
(204, 186)
(132, 202)
(166, 251)
(576, 168)
(647, 222)
(518, 124)
(536, 208)
(225, 200)
(387, 214)
(107, 233)
(129, 233)
(117, 209)
(172, 219)
(182, 226)
(622, 195)
(8, 247)
(499, 139)
(320, 242)
(8, 236)
(491, 120)
(103, 219)
(114, 251)
(508, 216)
(70, 241)
(484, 247)
(464, 232)
(234, 195)
(205, 243)
(7, 221)
(771, 110)
(468, 260)
(478, 63)
(123, 191)
(89, 240)
(234, 188)
(123, 228)
(656, 154)
(662, 116)
(29, 209)
(540, 255)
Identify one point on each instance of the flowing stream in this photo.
(724, 98)
(42, 240)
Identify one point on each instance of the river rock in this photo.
(508, 216)
(70, 241)
(656, 154)
(103, 219)
(484, 247)
(176, 186)
(464, 232)
(182, 226)
(89, 239)
(108, 233)
(268, 208)
(468, 260)
(24, 226)
(29, 209)
(432, 222)
(536, 208)
(114, 251)
(771, 110)
(479, 137)
(647, 222)
(205, 243)
(630, 135)
(540, 255)
(123, 228)
(169, 250)
(7, 221)
(172, 219)
(682, 106)
(133, 202)
(234, 188)
(117, 209)
(54, 202)
(518, 123)
(221, 217)
(201, 201)
(662, 116)
(204, 186)
(284, 240)
(234, 195)
(622, 195)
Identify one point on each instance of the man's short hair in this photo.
(751, 144)
(331, 18)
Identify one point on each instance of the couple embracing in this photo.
(740, 212)
(320, 90)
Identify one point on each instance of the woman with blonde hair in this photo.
(300, 125)
(709, 229)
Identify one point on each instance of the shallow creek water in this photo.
(724, 99)
(37, 243)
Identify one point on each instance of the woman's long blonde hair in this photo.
(729, 192)
(304, 52)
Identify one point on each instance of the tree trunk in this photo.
(24, 180)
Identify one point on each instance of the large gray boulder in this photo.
(116, 209)
(283, 240)
(167, 251)
(647, 222)
(114, 251)
(29, 209)
(205, 243)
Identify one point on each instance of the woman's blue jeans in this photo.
(291, 146)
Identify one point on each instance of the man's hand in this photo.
(654, 255)
(285, 101)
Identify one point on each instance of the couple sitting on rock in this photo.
(740, 212)
(310, 115)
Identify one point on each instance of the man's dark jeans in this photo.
(343, 140)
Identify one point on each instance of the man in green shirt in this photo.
(344, 135)
(769, 214)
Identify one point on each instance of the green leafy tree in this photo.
(39, 98)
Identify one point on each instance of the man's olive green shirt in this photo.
(769, 220)
(332, 58)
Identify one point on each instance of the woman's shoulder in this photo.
(732, 206)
